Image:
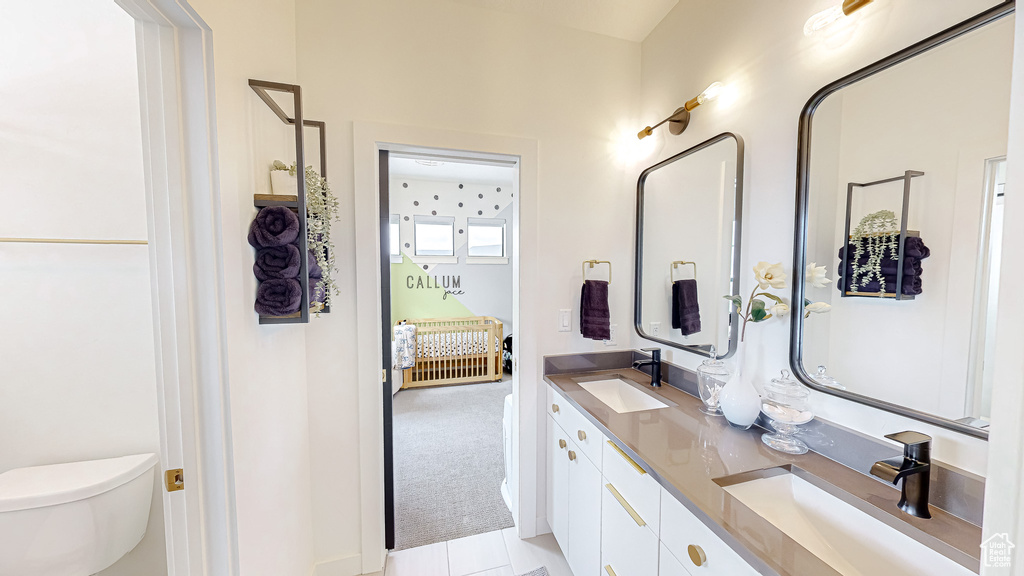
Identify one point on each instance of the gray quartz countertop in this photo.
(686, 450)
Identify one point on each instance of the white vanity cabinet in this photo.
(574, 487)
(695, 545)
(669, 565)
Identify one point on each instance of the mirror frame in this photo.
(802, 215)
(639, 245)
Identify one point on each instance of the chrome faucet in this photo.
(914, 468)
(654, 363)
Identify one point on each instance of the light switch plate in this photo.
(611, 341)
(565, 320)
(655, 328)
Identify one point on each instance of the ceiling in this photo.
(626, 19)
(448, 170)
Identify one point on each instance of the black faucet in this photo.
(914, 468)
(654, 363)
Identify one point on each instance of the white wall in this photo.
(886, 128)
(759, 49)
(266, 364)
(79, 374)
(451, 66)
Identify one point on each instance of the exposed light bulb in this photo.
(823, 19)
(710, 93)
(830, 16)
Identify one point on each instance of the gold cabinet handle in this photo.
(636, 517)
(697, 555)
(637, 467)
(582, 435)
(572, 455)
(554, 408)
(561, 443)
(609, 570)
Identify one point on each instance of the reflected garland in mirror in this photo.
(687, 247)
(899, 195)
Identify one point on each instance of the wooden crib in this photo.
(455, 351)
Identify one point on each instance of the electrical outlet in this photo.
(565, 320)
(655, 328)
(611, 340)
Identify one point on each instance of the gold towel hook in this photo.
(677, 263)
(592, 263)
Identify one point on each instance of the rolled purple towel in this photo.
(314, 269)
(278, 297)
(273, 226)
(277, 262)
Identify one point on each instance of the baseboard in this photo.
(542, 525)
(347, 566)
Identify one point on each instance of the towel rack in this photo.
(676, 264)
(70, 241)
(592, 263)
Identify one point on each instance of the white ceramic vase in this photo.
(739, 400)
(282, 183)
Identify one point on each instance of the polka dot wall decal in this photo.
(479, 212)
(416, 203)
(406, 244)
(496, 207)
(460, 204)
(405, 184)
(424, 266)
(435, 197)
(499, 188)
(460, 230)
(406, 218)
(460, 186)
(433, 212)
(479, 195)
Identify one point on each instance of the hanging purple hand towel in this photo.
(595, 318)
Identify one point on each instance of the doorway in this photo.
(448, 224)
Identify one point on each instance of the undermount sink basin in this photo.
(621, 396)
(846, 538)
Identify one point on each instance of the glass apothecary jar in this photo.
(787, 404)
(712, 375)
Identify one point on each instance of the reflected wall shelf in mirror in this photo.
(688, 217)
(921, 359)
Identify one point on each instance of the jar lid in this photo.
(825, 380)
(712, 365)
(787, 386)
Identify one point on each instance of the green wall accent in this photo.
(420, 303)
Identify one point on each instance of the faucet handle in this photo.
(916, 446)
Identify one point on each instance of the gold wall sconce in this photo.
(829, 16)
(679, 119)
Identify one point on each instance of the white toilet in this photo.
(73, 519)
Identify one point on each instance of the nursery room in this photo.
(450, 252)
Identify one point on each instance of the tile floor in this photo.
(498, 553)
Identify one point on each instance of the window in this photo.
(394, 235)
(435, 235)
(486, 237)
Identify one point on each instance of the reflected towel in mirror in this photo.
(685, 308)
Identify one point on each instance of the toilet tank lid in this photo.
(38, 486)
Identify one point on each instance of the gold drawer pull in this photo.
(636, 517)
(582, 435)
(697, 555)
(639, 469)
(609, 570)
(572, 455)
(554, 408)
(561, 443)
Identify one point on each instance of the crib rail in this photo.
(455, 351)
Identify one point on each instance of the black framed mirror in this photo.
(899, 169)
(688, 216)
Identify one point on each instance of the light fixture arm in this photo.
(681, 117)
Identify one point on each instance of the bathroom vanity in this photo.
(640, 482)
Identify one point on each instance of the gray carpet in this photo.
(449, 463)
(542, 571)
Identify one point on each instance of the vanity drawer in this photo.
(668, 565)
(627, 548)
(634, 484)
(680, 530)
(586, 436)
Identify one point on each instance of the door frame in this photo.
(369, 138)
(179, 140)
